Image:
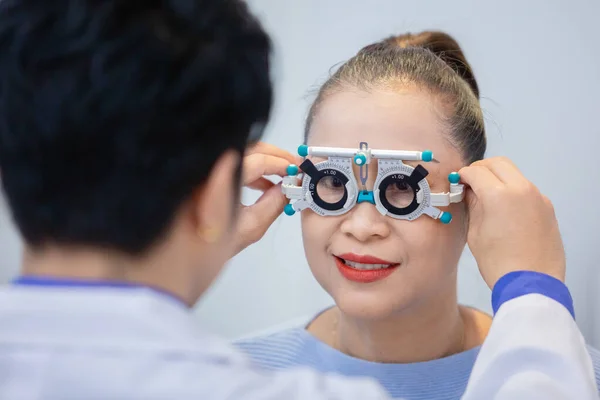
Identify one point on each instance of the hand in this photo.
(512, 226)
(261, 160)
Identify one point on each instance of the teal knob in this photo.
(289, 210)
(366, 196)
(292, 170)
(360, 159)
(446, 217)
(303, 150)
(427, 155)
(454, 178)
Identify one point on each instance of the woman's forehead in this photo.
(385, 120)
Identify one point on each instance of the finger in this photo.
(480, 179)
(547, 201)
(549, 205)
(261, 184)
(505, 170)
(470, 198)
(257, 218)
(258, 165)
(269, 149)
(271, 203)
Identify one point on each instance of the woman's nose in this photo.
(364, 223)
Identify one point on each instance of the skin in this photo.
(413, 314)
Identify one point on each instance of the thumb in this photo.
(470, 199)
(256, 219)
(270, 205)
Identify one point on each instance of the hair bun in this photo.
(442, 45)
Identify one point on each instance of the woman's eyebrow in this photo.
(435, 174)
(429, 166)
(316, 159)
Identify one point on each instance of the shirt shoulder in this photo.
(283, 349)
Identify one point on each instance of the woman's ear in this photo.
(215, 202)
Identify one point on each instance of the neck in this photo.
(105, 265)
(432, 330)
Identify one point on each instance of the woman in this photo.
(406, 329)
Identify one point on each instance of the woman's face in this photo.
(424, 253)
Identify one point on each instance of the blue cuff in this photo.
(520, 283)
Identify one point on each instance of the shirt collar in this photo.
(33, 280)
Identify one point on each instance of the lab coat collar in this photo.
(35, 280)
(106, 316)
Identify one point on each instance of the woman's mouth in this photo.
(364, 269)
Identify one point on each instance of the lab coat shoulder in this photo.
(534, 351)
(110, 345)
(595, 355)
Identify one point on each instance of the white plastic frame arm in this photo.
(290, 188)
(294, 193)
(456, 195)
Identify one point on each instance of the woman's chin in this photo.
(369, 306)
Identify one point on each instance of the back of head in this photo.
(431, 60)
(442, 45)
(113, 112)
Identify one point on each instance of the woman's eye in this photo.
(331, 182)
(400, 194)
(331, 189)
(402, 186)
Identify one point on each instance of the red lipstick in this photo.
(363, 275)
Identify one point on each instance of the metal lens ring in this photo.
(330, 186)
(402, 191)
(398, 195)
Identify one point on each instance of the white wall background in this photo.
(538, 66)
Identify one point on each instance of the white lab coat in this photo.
(62, 343)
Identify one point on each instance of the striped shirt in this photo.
(441, 379)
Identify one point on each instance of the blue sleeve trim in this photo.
(520, 283)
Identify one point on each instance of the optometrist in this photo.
(123, 125)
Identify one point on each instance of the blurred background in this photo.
(538, 67)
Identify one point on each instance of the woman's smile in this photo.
(364, 268)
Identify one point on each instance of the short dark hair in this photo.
(113, 112)
(430, 59)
